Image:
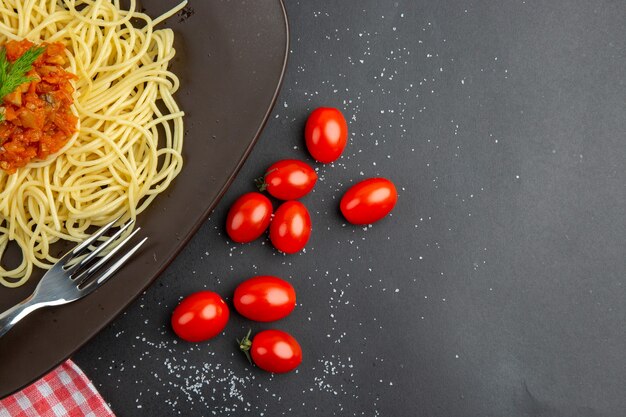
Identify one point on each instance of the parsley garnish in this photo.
(13, 74)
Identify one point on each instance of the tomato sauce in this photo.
(37, 117)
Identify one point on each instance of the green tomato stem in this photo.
(245, 344)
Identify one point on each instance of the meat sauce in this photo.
(38, 120)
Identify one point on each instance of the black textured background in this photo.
(497, 286)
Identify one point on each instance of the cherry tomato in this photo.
(273, 351)
(291, 228)
(265, 298)
(326, 134)
(368, 201)
(248, 217)
(200, 316)
(288, 179)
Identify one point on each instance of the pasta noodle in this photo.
(128, 147)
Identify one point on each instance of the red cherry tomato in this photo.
(265, 298)
(289, 179)
(200, 316)
(369, 201)
(248, 217)
(326, 134)
(291, 228)
(273, 351)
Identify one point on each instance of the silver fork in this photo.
(74, 276)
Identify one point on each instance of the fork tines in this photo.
(82, 264)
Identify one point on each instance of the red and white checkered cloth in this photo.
(64, 392)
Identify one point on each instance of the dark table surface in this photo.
(496, 288)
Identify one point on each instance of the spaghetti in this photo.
(128, 144)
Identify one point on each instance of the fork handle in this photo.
(17, 313)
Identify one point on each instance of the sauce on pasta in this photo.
(37, 116)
